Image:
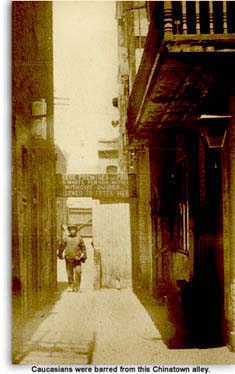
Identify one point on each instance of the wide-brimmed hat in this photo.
(70, 227)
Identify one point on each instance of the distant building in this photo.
(80, 214)
(133, 21)
(108, 154)
(82, 217)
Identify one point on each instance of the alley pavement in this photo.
(106, 327)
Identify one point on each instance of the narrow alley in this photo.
(123, 142)
(105, 327)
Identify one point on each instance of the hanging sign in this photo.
(97, 186)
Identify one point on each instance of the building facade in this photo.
(61, 202)
(132, 19)
(82, 217)
(179, 129)
(108, 155)
(33, 156)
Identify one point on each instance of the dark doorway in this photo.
(210, 277)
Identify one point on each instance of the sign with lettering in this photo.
(97, 186)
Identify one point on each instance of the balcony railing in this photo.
(210, 25)
(198, 17)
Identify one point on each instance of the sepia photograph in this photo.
(122, 185)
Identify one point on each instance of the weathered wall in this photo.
(144, 220)
(111, 233)
(228, 223)
(33, 160)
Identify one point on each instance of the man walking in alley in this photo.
(74, 254)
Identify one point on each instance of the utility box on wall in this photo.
(39, 122)
(39, 108)
(39, 128)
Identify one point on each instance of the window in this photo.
(111, 169)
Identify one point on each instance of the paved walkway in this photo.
(66, 335)
(107, 327)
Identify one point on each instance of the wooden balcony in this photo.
(186, 43)
(199, 17)
(206, 25)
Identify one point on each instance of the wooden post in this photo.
(168, 20)
(211, 17)
(225, 23)
(198, 29)
(184, 17)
